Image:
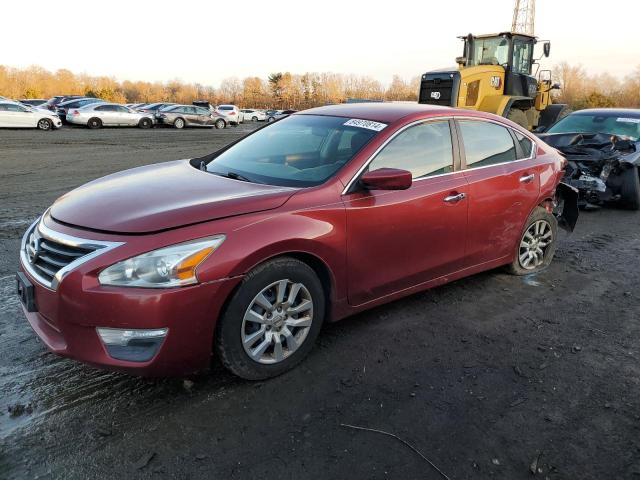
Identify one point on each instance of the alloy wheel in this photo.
(534, 244)
(277, 321)
(44, 124)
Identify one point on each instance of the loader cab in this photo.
(513, 52)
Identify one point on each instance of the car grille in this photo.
(439, 88)
(48, 255)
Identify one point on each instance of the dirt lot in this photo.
(483, 376)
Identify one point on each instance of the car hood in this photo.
(160, 197)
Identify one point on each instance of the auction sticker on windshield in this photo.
(627, 120)
(368, 124)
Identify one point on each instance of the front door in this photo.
(400, 239)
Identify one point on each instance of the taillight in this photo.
(75, 112)
(232, 113)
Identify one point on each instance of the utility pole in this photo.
(524, 15)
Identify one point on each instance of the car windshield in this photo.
(299, 151)
(622, 124)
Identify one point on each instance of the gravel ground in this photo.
(483, 376)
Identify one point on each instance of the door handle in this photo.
(527, 178)
(455, 198)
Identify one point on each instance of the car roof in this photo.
(608, 112)
(379, 112)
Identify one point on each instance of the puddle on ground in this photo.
(37, 384)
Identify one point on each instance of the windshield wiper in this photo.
(235, 176)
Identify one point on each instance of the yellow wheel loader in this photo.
(495, 75)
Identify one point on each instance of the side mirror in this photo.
(387, 179)
(547, 48)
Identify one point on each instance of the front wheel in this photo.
(272, 320)
(537, 245)
(630, 189)
(45, 124)
(179, 123)
(270, 119)
(220, 124)
(254, 119)
(145, 123)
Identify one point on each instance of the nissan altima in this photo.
(244, 253)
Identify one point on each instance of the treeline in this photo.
(280, 90)
(287, 90)
(581, 90)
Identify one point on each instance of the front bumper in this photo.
(66, 317)
(68, 328)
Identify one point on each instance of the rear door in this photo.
(504, 186)
(108, 114)
(400, 239)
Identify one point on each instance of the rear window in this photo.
(486, 143)
(225, 107)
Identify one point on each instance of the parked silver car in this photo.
(109, 114)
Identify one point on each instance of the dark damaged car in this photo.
(602, 148)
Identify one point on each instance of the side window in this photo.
(525, 144)
(4, 107)
(190, 110)
(486, 143)
(424, 150)
(15, 108)
(104, 108)
(121, 109)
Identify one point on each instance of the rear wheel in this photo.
(518, 116)
(44, 124)
(220, 124)
(254, 119)
(537, 245)
(145, 123)
(272, 320)
(270, 119)
(178, 123)
(630, 188)
(94, 123)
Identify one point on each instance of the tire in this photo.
(630, 188)
(94, 123)
(220, 124)
(519, 117)
(254, 119)
(270, 119)
(44, 124)
(539, 238)
(245, 322)
(179, 123)
(145, 123)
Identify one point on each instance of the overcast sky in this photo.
(206, 41)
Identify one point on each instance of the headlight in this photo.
(173, 266)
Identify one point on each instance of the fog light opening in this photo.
(133, 345)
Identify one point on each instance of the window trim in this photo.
(455, 151)
(459, 160)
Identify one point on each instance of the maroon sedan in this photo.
(247, 251)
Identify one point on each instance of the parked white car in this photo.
(232, 113)
(15, 115)
(109, 114)
(253, 115)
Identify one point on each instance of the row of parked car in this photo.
(97, 113)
